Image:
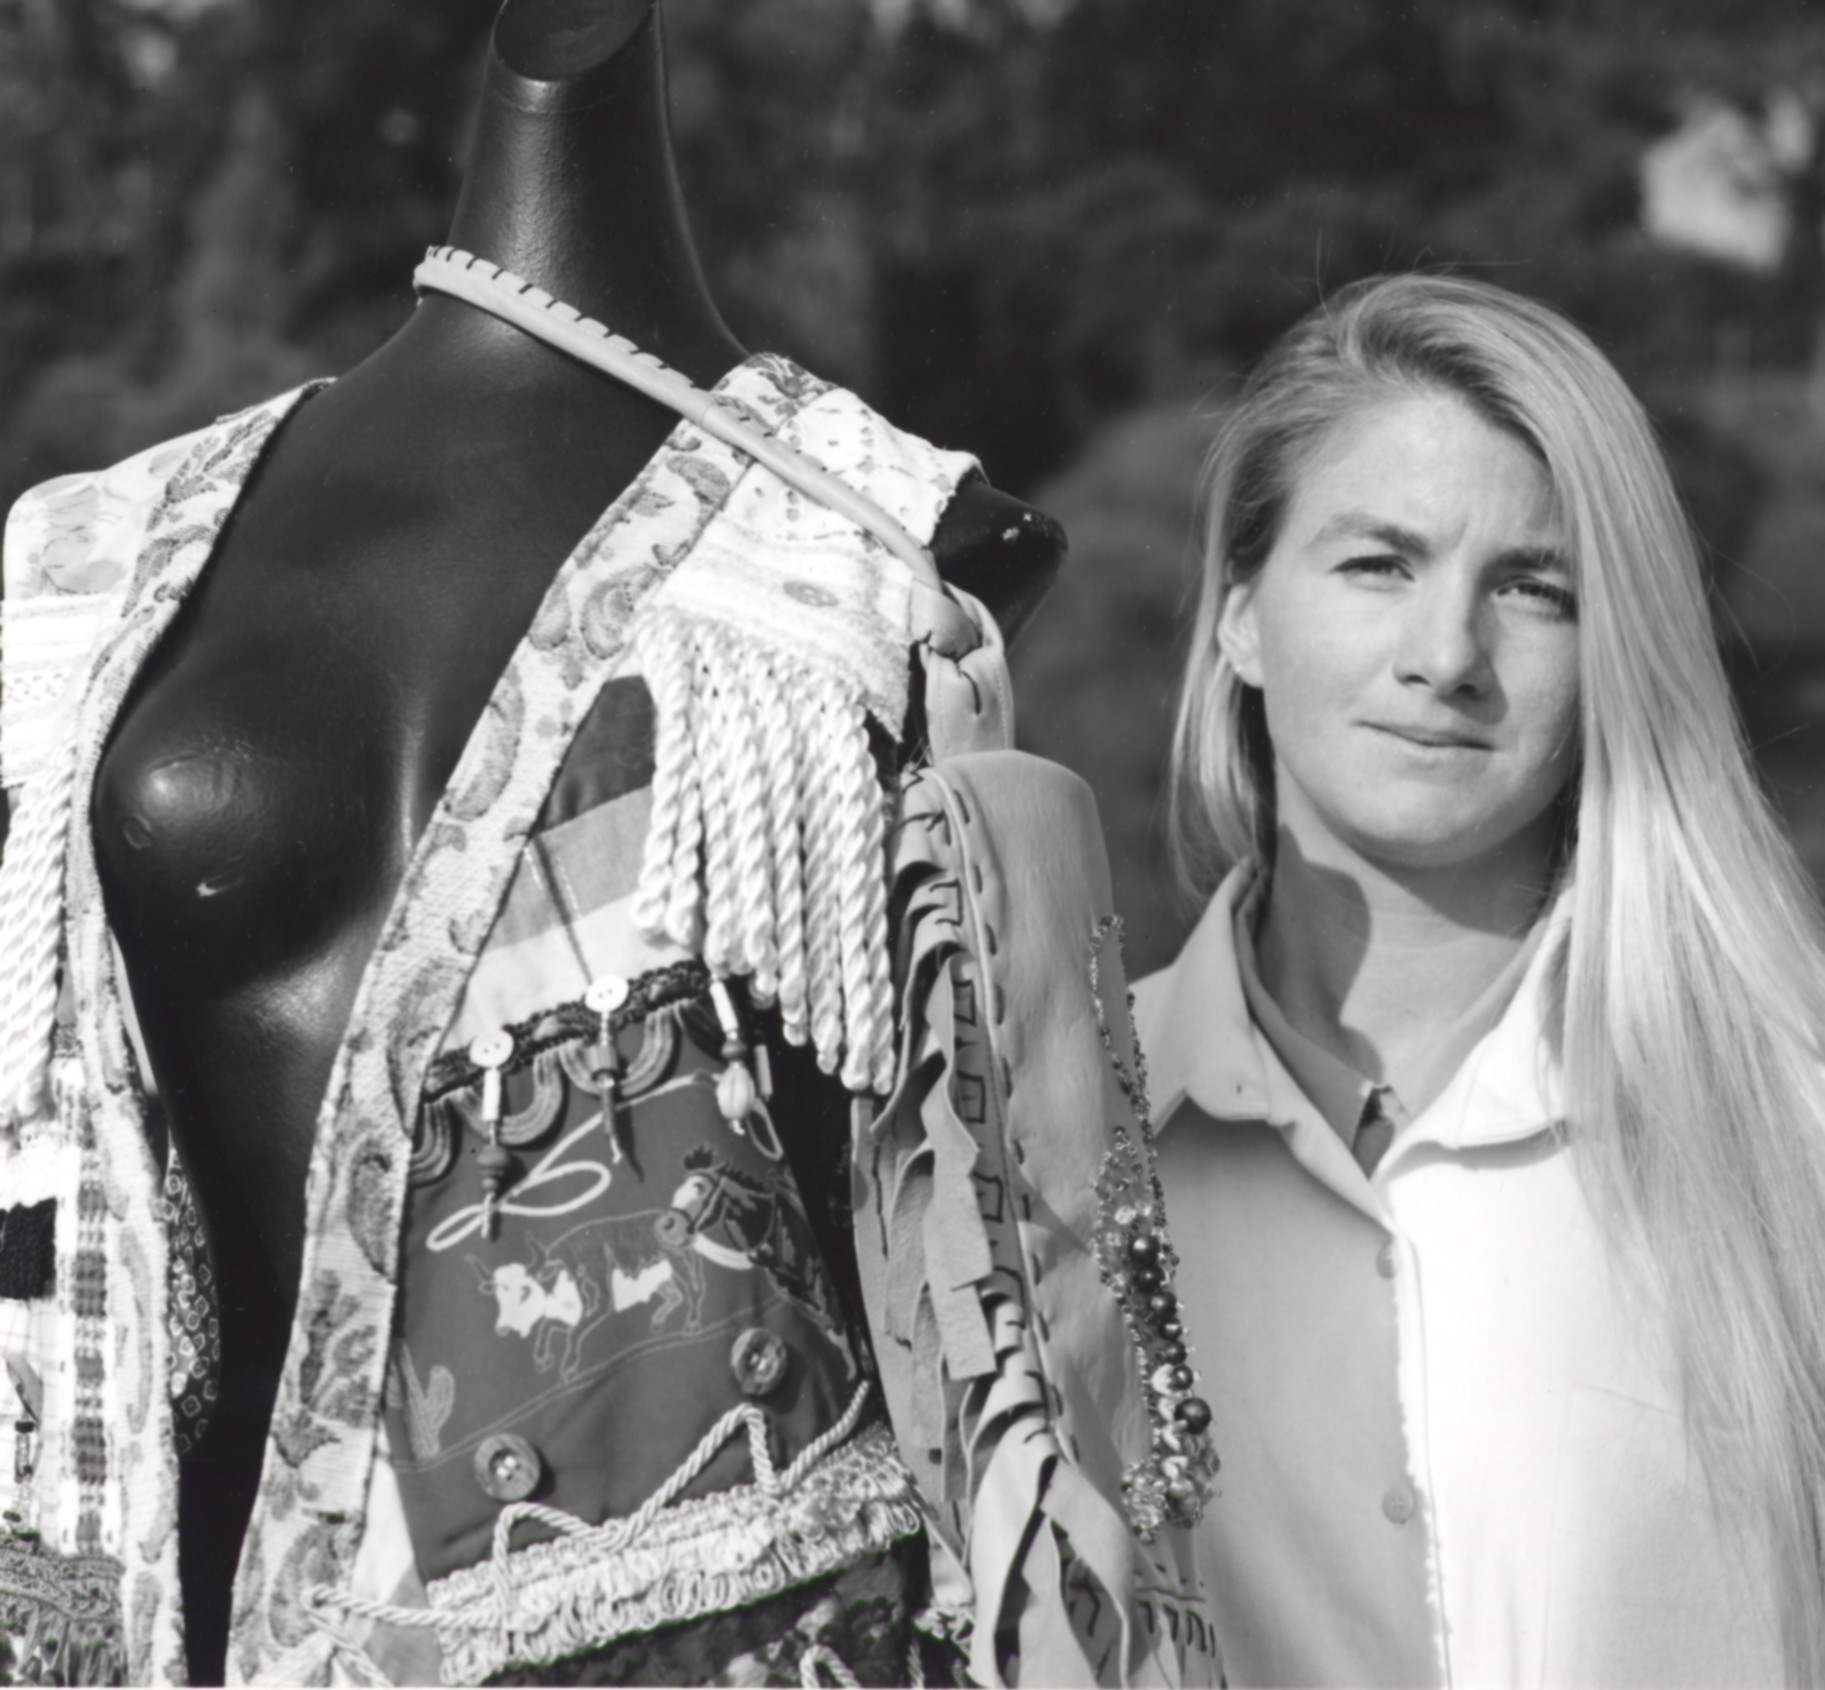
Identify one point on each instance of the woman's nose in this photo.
(1444, 644)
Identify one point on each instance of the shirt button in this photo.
(1398, 1505)
(758, 1361)
(507, 1467)
(1384, 1260)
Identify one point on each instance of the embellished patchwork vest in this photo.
(582, 1351)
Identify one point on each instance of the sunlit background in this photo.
(1050, 232)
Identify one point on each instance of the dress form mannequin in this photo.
(288, 741)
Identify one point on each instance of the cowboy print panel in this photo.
(650, 1264)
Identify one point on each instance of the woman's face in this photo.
(1415, 639)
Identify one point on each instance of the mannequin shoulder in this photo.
(999, 549)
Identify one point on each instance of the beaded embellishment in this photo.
(193, 1323)
(1138, 1263)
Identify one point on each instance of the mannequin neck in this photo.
(571, 182)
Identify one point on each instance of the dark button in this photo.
(1384, 1260)
(507, 1467)
(1398, 1505)
(758, 1359)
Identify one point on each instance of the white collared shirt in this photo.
(1452, 1448)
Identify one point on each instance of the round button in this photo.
(605, 995)
(1384, 1260)
(1398, 1505)
(491, 1050)
(507, 1467)
(811, 594)
(758, 1360)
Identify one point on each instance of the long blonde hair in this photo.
(1692, 976)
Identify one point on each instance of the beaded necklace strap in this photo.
(502, 294)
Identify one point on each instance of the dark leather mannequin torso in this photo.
(289, 739)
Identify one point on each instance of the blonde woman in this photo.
(1489, 1085)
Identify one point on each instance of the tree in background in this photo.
(1009, 223)
(1003, 220)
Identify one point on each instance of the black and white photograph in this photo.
(912, 842)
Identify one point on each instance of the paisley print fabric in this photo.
(361, 1421)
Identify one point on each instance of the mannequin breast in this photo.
(246, 812)
(290, 737)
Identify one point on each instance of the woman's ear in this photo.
(1237, 637)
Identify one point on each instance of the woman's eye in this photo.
(1373, 568)
(1549, 596)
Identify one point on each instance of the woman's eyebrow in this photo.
(1362, 525)
(1543, 560)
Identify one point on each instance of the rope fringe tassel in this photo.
(766, 851)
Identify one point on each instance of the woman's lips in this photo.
(1433, 739)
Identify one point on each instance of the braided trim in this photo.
(31, 938)
(845, 1496)
(547, 1029)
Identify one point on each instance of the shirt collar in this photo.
(1193, 1022)
(1333, 1087)
(1203, 1045)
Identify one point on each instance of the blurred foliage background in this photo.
(1048, 230)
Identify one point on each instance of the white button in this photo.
(1398, 1505)
(491, 1050)
(1384, 1260)
(605, 995)
(507, 1467)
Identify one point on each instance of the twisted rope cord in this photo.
(713, 753)
(824, 936)
(821, 1655)
(657, 646)
(611, 1535)
(461, 274)
(771, 813)
(747, 676)
(777, 739)
(861, 874)
(363, 1665)
(31, 934)
(684, 892)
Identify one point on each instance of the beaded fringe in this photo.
(767, 848)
